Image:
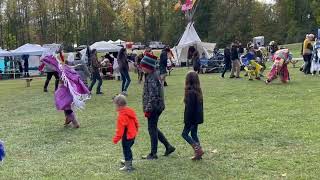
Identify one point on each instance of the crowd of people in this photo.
(72, 89)
(253, 61)
(311, 52)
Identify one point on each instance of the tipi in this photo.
(190, 38)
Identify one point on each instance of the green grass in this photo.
(251, 131)
(295, 49)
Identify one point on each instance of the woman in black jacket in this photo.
(227, 61)
(193, 113)
(124, 71)
(196, 61)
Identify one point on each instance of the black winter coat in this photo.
(193, 112)
(234, 54)
(227, 56)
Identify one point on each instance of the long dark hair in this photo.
(122, 53)
(193, 86)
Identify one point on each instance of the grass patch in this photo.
(251, 131)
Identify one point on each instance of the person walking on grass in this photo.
(51, 72)
(127, 130)
(163, 65)
(95, 70)
(193, 113)
(227, 61)
(196, 61)
(137, 64)
(307, 53)
(72, 93)
(153, 105)
(124, 71)
(235, 62)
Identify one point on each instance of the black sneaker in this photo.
(150, 157)
(169, 151)
(99, 93)
(45, 90)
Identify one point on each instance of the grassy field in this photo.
(295, 49)
(251, 131)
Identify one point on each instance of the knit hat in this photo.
(149, 61)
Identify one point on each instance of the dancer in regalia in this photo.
(251, 66)
(281, 59)
(72, 92)
(315, 64)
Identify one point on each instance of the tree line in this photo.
(86, 21)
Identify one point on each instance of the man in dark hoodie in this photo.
(227, 61)
(235, 61)
(163, 65)
(25, 58)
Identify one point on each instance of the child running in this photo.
(193, 113)
(127, 130)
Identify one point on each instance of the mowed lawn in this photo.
(251, 131)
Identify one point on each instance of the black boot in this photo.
(150, 157)
(169, 150)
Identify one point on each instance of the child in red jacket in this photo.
(127, 130)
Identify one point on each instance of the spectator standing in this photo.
(124, 71)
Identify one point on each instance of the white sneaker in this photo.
(124, 93)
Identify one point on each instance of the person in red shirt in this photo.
(127, 130)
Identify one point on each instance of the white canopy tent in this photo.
(190, 38)
(29, 49)
(103, 47)
(4, 53)
(110, 41)
(34, 51)
(119, 42)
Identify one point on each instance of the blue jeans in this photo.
(194, 134)
(96, 76)
(126, 147)
(125, 80)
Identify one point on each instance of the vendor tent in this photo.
(34, 51)
(110, 41)
(190, 38)
(4, 53)
(119, 42)
(52, 48)
(103, 47)
(29, 49)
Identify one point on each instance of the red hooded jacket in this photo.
(127, 118)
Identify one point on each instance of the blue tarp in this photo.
(2, 64)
